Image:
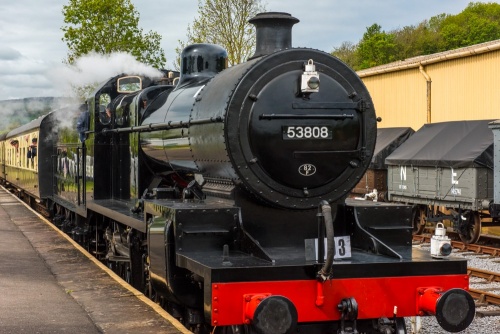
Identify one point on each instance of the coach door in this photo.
(69, 176)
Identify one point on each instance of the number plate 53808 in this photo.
(306, 132)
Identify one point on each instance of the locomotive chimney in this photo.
(273, 31)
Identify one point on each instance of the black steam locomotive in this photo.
(221, 195)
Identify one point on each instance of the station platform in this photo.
(49, 284)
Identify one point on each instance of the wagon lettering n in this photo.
(402, 174)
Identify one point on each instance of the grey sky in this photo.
(31, 50)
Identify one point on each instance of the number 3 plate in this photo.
(342, 247)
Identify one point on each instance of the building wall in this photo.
(399, 98)
(462, 88)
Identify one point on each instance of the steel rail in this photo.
(485, 297)
(490, 276)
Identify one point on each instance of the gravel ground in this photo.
(485, 325)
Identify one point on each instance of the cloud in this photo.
(7, 53)
(21, 76)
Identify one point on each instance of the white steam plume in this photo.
(88, 70)
(96, 68)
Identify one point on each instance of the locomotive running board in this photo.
(118, 211)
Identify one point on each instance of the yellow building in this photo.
(461, 84)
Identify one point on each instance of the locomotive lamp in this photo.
(310, 79)
(440, 243)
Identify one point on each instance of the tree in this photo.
(376, 47)
(106, 26)
(225, 22)
(478, 23)
(417, 40)
(347, 52)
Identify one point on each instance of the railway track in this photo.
(485, 296)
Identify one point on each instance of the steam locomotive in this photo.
(221, 194)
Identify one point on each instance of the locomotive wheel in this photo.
(137, 265)
(472, 230)
(69, 220)
(57, 215)
(383, 325)
(400, 326)
(419, 219)
(57, 209)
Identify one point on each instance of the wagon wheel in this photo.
(470, 227)
(419, 219)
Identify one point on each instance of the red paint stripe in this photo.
(376, 297)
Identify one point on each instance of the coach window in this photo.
(32, 154)
(15, 152)
(24, 152)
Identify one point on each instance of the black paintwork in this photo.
(254, 212)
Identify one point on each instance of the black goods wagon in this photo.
(373, 185)
(447, 170)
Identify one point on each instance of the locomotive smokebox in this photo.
(273, 32)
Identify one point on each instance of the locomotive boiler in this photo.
(276, 131)
(221, 195)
